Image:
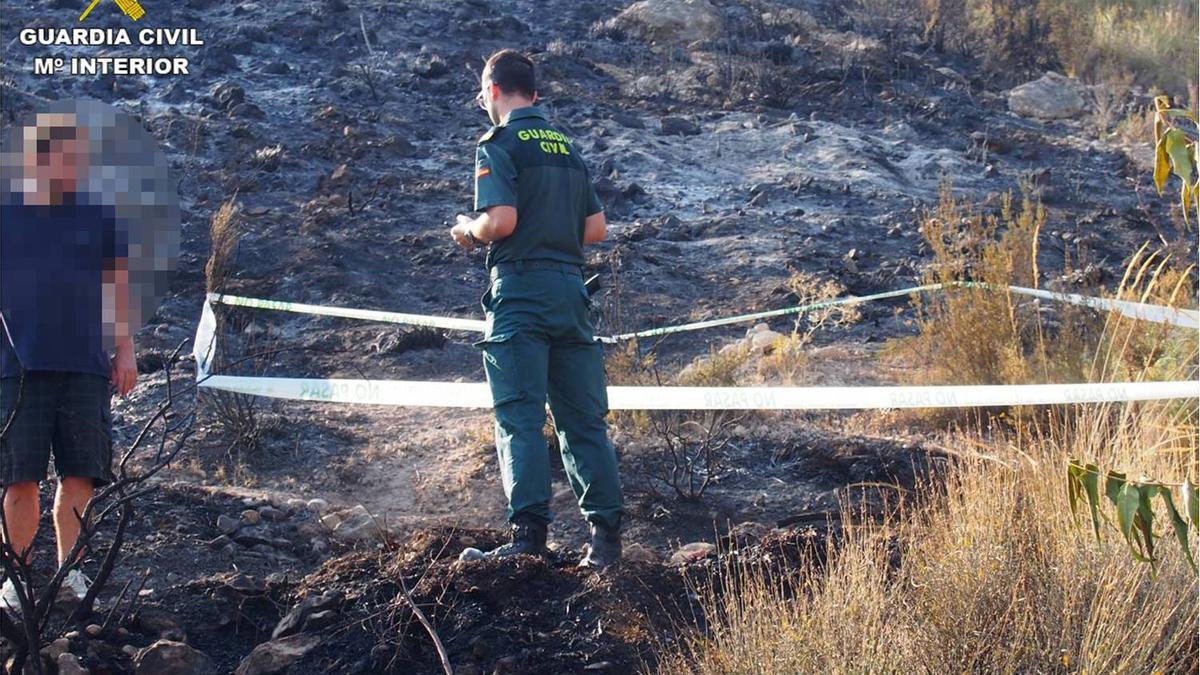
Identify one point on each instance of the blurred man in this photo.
(540, 208)
(63, 298)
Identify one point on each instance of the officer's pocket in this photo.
(485, 301)
(501, 364)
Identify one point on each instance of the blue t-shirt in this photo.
(52, 258)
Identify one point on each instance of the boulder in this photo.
(1051, 96)
(277, 655)
(763, 340)
(166, 657)
(670, 20)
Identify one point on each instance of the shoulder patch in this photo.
(491, 134)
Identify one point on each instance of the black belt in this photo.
(527, 265)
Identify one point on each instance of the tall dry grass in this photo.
(983, 568)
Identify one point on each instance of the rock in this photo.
(318, 505)
(251, 517)
(692, 552)
(356, 528)
(253, 536)
(758, 328)
(431, 67)
(764, 340)
(678, 126)
(331, 520)
(159, 623)
(271, 513)
(166, 657)
(57, 648)
(68, 664)
(228, 524)
(628, 120)
(275, 656)
(227, 95)
(670, 20)
(93, 629)
(469, 554)
(303, 615)
(638, 553)
(295, 504)
(1052, 96)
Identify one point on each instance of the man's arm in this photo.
(595, 227)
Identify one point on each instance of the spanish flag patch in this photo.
(481, 172)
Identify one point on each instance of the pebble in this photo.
(93, 629)
(251, 517)
(318, 505)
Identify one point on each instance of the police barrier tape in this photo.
(478, 395)
(1185, 318)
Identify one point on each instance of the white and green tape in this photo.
(477, 395)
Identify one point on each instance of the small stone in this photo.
(678, 126)
(295, 504)
(318, 505)
(765, 339)
(68, 664)
(331, 520)
(692, 552)
(638, 553)
(271, 513)
(469, 554)
(71, 635)
(251, 517)
(227, 524)
(57, 648)
(93, 630)
(174, 658)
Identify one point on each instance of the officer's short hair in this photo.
(512, 71)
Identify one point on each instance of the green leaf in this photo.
(1144, 519)
(1185, 198)
(1179, 525)
(1074, 486)
(1177, 148)
(1112, 486)
(1091, 486)
(1127, 506)
(1188, 493)
(1176, 112)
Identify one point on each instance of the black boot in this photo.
(528, 537)
(606, 547)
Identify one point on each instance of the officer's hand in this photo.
(124, 367)
(459, 233)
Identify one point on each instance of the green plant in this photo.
(1177, 152)
(1133, 501)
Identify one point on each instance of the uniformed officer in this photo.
(539, 210)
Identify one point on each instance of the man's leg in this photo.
(70, 500)
(515, 364)
(21, 515)
(82, 451)
(579, 403)
(27, 411)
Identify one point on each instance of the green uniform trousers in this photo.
(539, 348)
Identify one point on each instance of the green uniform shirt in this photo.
(527, 163)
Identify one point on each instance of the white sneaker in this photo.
(9, 601)
(75, 585)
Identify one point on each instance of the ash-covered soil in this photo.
(795, 139)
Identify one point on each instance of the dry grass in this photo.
(1151, 41)
(984, 569)
(224, 231)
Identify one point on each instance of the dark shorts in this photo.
(67, 413)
